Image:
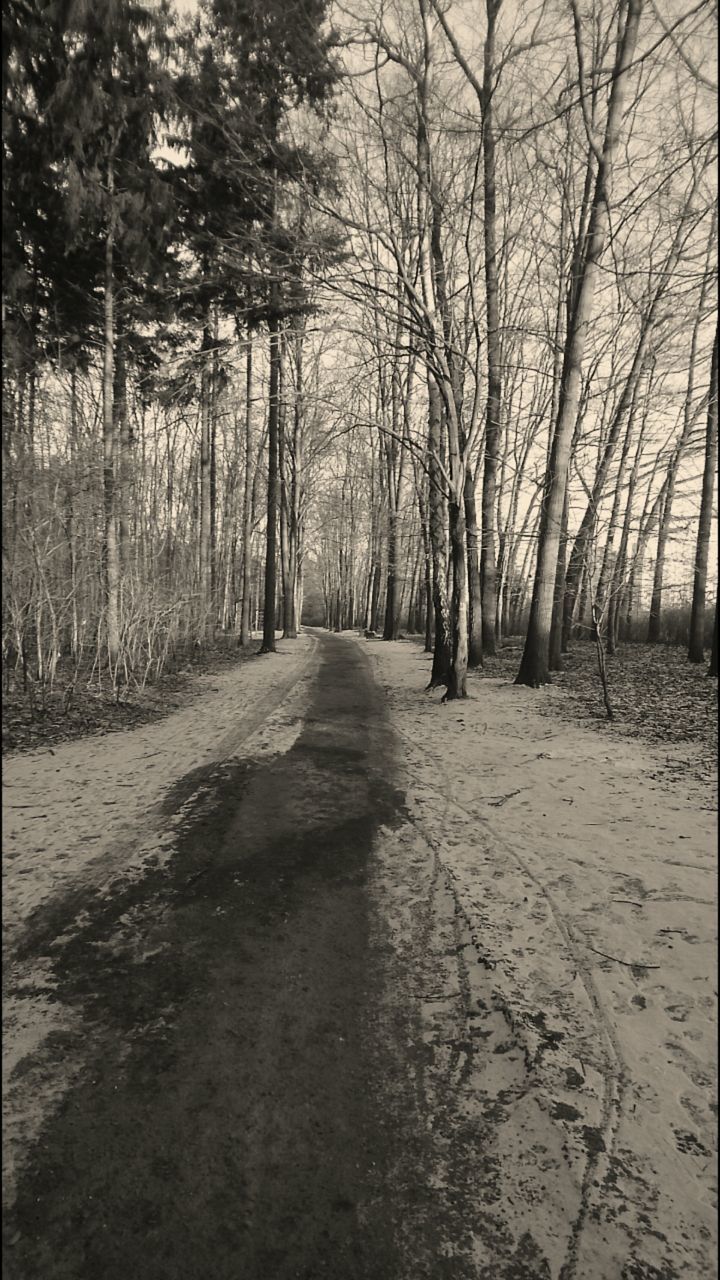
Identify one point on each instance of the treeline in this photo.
(407, 321)
(532, 215)
(156, 243)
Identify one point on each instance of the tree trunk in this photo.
(438, 541)
(702, 551)
(246, 583)
(488, 565)
(70, 521)
(205, 545)
(268, 640)
(284, 510)
(295, 505)
(713, 668)
(124, 441)
(457, 682)
(653, 631)
(391, 623)
(214, 392)
(534, 667)
(427, 571)
(112, 556)
(475, 597)
(556, 626)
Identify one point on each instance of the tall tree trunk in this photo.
(702, 551)
(284, 506)
(457, 683)
(713, 668)
(124, 441)
(427, 567)
(556, 626)
(475, 601)
(488, 565)
(391, 623)
(70, 520)
(534, 667)
(112, 556)
(205, 627)
(437, 520)
(268, 640)
(442, 360)
(375, 595)
(214, 398)
(296, 490)
(664, 520)
(246, 580)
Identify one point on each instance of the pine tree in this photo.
(252, 63)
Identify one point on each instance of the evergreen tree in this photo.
(252, 63)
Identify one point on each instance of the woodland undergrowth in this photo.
(27, 725)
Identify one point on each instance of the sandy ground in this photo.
(89, 816)
(67, 808)
(587, 881)
(564, 889)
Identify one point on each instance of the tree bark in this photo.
(556, 626)
(296, 491)
(214, 392)
(246, 581)
(205, 627)
(476, 608)
(457, 680)
(437, 521)
(284, 509)
(488, 564)
(391, 622)
(268, 640)
(124, 441)
(702, 551)
(713, 668)
(112, 556)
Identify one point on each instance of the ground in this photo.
(315, 977)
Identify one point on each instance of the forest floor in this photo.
(657, 696)
(317, 977)
(30, 721)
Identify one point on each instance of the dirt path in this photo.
(238, 1082)
(311, 1017)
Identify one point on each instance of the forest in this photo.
(359, 547)
(392, 315)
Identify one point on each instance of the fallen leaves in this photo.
(97, 711)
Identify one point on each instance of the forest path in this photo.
(315, 1016)
(258, 1046)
